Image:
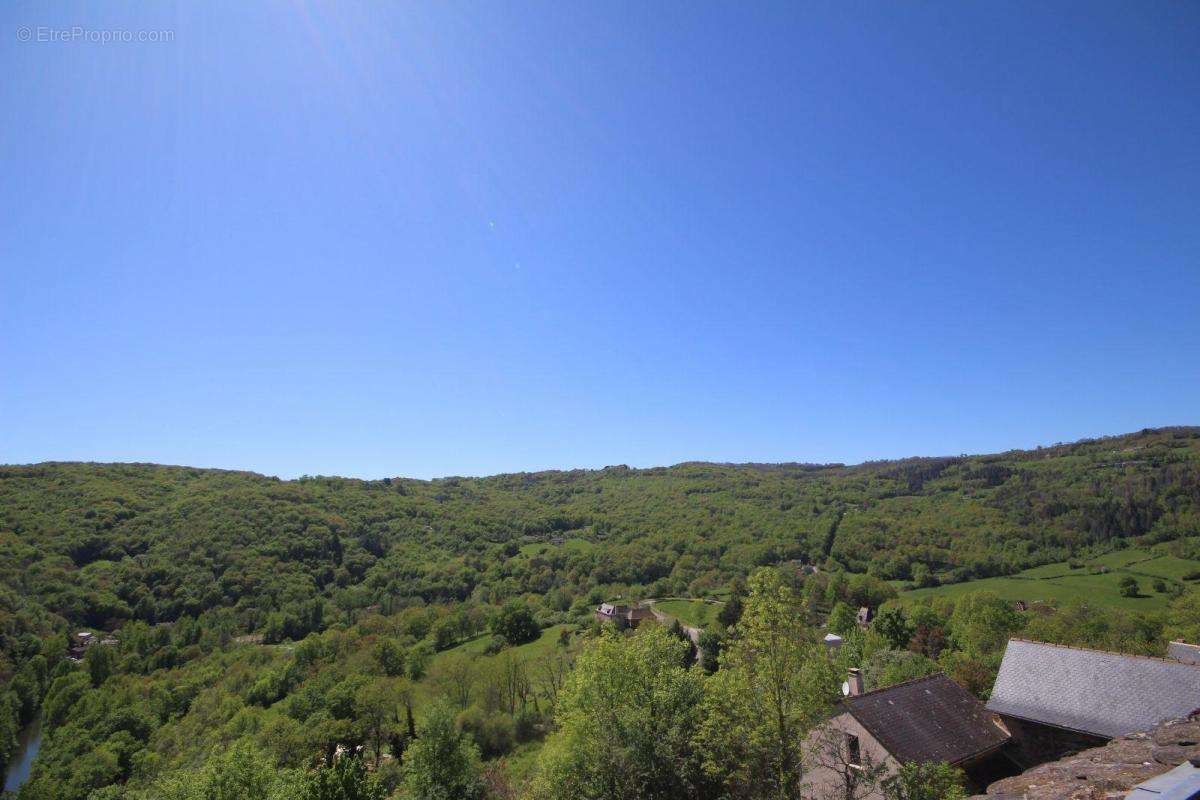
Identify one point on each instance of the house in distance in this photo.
(623, 616)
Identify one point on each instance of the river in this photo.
(28, 743)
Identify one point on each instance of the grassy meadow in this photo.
(696, 613)
(1095, 581)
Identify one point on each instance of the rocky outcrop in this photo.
(1105, 772)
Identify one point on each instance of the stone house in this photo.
(623, 616)
(929, 719)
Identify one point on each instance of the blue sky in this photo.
(446, 238)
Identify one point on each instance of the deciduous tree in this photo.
(774, 685)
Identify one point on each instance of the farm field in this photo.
(1063, 583)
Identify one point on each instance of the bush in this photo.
(526, 725)
(495, 645)
(932, 781)
(1128, 586)
(1160, 586)
(495, 734)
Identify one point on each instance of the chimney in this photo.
(854, 682)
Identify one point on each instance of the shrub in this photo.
(495, 645)
(495, 734)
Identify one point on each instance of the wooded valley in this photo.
(399, 637)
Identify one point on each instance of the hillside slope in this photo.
(99, 543)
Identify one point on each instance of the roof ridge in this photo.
(930, 676)
(1105, 652)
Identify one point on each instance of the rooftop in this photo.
(1093, 691)
(1181, 783)
(927, 719)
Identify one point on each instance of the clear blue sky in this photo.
(447, 238)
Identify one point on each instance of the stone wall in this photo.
(1108, 772)
(1033, 743)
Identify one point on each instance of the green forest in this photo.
(335, 638)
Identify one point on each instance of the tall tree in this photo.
(894, 627)
(378, 709)
(773, 686)
(842, 619)
(982, 622)
(625, 719)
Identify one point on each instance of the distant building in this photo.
(832, 643)
(929, 719)
(865, 615)
(79, 643)
(623, 616)
(1056, 699)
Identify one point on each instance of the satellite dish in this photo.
(846, 688)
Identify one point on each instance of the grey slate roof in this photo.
(1093, 691)
(927, 719)
(1181, 783)
(1182, 651)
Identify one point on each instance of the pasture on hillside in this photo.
(1063, 582)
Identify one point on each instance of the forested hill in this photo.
(98, 544)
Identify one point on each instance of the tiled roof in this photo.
(1093, 691)
(928, 719)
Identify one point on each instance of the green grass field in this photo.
(1168, 567)
(538, 647)
(691, 612)
(1060, 582)
(570, 545)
